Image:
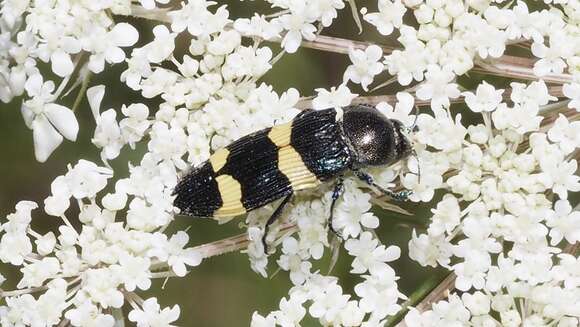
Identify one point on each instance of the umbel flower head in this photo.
(495, 159)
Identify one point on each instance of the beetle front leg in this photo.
(336, 193)
(273, 218)
(398, 196)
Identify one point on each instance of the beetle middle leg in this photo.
(399, 196)
(336, 193)
(273, 218)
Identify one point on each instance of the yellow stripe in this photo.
(291, 165)
(231, 193)
(219, 159)
(280, 134)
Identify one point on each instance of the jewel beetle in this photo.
(317, 146)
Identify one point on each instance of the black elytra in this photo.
(317, 146)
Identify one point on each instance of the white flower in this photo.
(178, 256)
(105, 45)
(531, 96)
(89, 315)
(352, 315)
(57, 48)
(86, 179)
(247, 61)
(45, 244)
(487, 98)
(151, 314)
(134, 126)
(348, 214)
(390, 15)
(197, 19)
(365, 65)
(405, 103)
(565, 134)
(48, 121)
(551, 57)
(258, 26)
(291, 312)
(134, 272)
(478, 303)
(326, 10)
(162, 46)
(102, 287)
(335, 98)
(299, 25)
(438, 87)
(328, 305)
(259, 321)
(369, 256)
(428, 251)
(35, 274)
(564, 223)
(572, 91)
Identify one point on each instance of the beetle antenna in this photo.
(414, 153)
(416, 116)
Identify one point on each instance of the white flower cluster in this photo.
(62, 33)
(498, 211)
(96, 268)
(500, 226)
(297, 19)
(377, 293)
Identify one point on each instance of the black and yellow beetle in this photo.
(317, 146)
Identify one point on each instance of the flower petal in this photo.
(63, 119)
(46, 138)
(95, 96)
(124, 35)
(62, 65)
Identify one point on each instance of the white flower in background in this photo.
(365, 65)
(552, 57)
(572, 91)
(438, 87)
(565, 134)
(50, 122)
(152, 315)
(390, 15)
(298, 25)
(258, 26)
(335, 98)
(162, 46)
(57, 49)
(403, 107)
(487, 98)
(106, 45)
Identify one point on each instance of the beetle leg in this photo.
(338, 189)
(399, 196)
(273, 218)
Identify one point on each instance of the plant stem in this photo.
(82, 91)
(392, 99)
(417, 296)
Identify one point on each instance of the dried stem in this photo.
(234, 243)
(392, 99)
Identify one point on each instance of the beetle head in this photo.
(375, 139)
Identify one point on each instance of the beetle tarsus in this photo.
(398, 196)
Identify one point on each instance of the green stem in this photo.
(417, 296)
(82, 91)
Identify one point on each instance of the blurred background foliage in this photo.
(222, 291)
